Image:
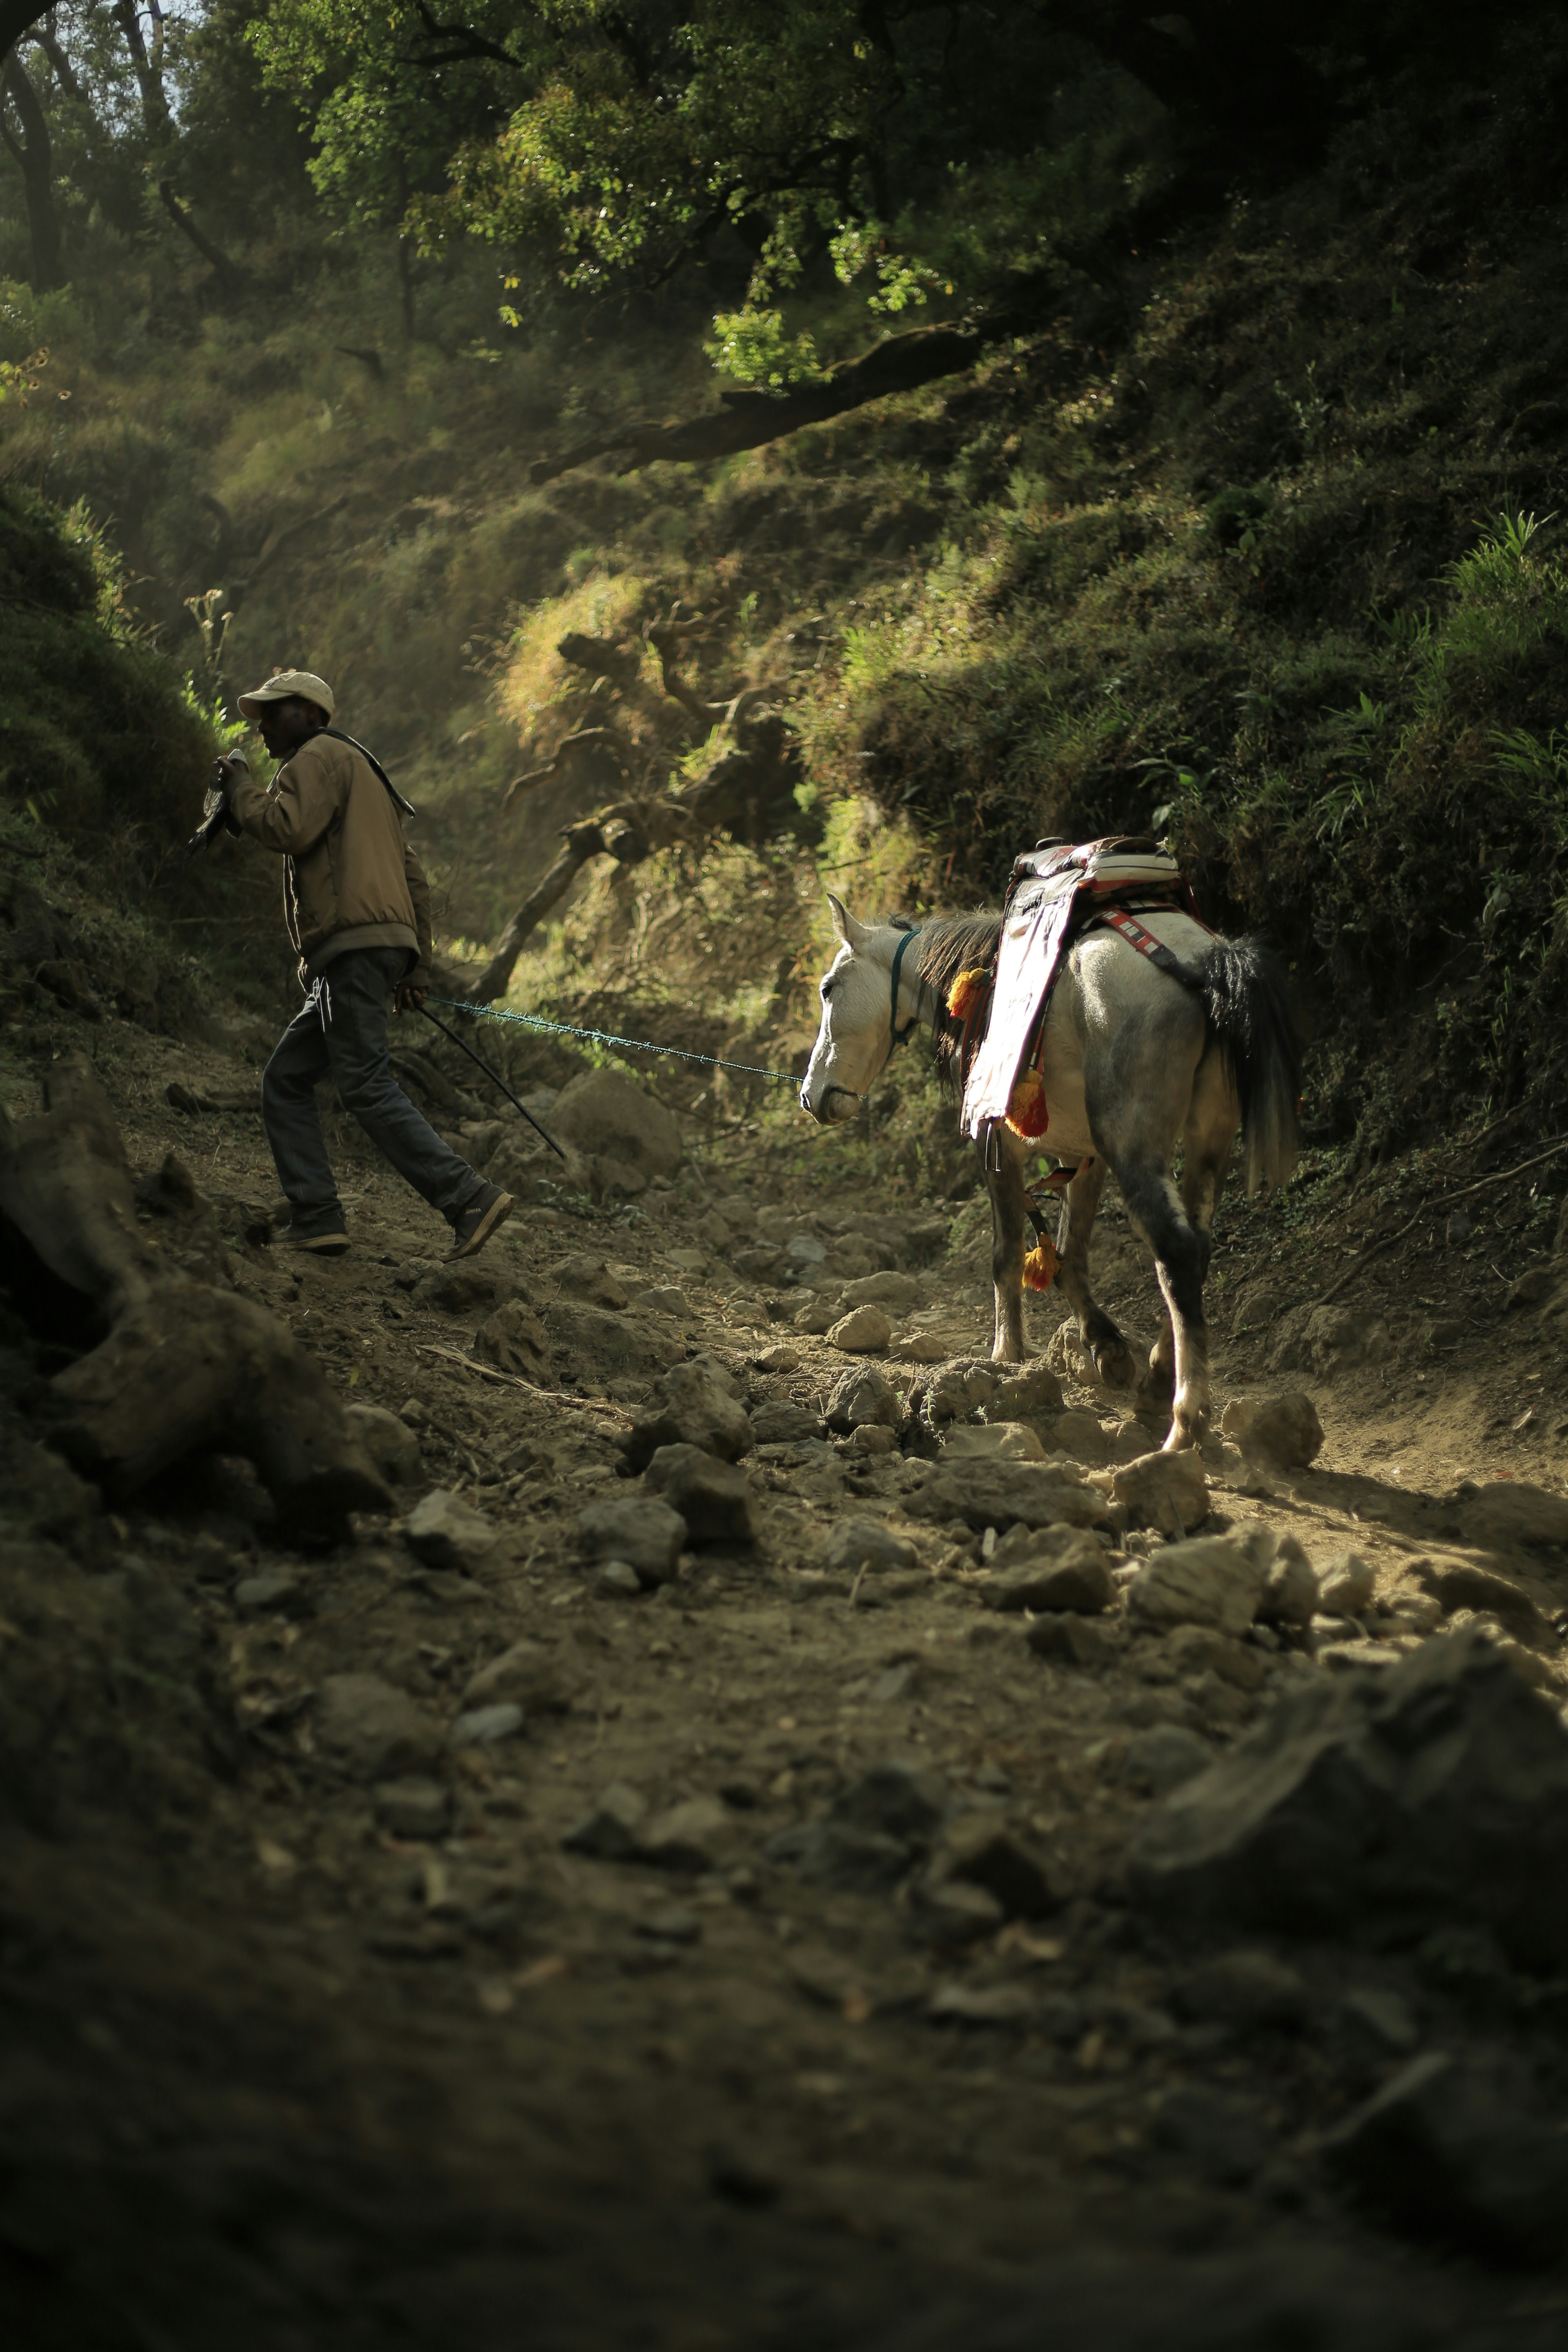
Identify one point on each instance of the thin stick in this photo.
(1433, 1207)
(510, 1380)
(494, 1080)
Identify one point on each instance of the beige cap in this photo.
(287, 682)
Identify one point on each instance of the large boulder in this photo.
(693, 1405)
(1396, 1800)
(611, 1117)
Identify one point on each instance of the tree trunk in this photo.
(229, 275)
(187, 1366)
(35, 157)
(621, 833)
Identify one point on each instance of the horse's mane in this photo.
(951, 944)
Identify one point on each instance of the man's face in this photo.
(283, 725)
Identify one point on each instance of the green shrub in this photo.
(97, 736)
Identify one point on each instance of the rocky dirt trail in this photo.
(790, 1834)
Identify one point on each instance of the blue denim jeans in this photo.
(342, 1031)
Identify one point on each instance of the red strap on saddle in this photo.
(1128, 928)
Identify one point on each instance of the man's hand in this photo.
(408, 1000)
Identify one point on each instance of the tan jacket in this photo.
(351, 880)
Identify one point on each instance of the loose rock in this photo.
(386, 1440)
(414, 1808)
(837, 1855)
(1211, 1580)
(1245, 1988)
(895, 1292)
(640, 1531)
(1290, 1595)
(1468, 1587)
(1166, 1491)
(711, 1495)
(980, 1854)
(527, 1672)
(604, 1113)
(589, 1281)
(859, 1543)
(689, 1836)
(958, 1388)
(1451, 2150)
(1077, 1579)
(865, 1331)
(1002, 1494)
(482, 1727)
(1011, 1442)
(1164, 1757)
(1033, 1394)
(513, 1339)
(1200, 1649)
(1072, 1641)
(446, 1534)
(612, 1831)
(1283, 1432)
(1346, 1586)
(1431, 1793)
(1511, 1512)
(863, 1396)
(1080, 1435)
(785, 1425)
(459, 1289)
(693, 1405)
(899, 1799)
(370, 1730)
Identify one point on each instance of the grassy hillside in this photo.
(1253, 540)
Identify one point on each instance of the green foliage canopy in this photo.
(619, 137)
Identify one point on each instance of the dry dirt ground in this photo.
(323, 2029)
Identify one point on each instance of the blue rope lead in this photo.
(603, 1037)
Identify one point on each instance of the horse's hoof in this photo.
(1113, 1360)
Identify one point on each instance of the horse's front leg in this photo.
(1009, 1219)
(1112, 1356)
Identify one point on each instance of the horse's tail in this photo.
(1251, 1017)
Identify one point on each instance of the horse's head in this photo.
(857, 1013)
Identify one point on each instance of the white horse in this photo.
(1137, 1062)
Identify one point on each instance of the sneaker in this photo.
(322, 1230)
(485, 1214)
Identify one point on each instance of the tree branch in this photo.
(229, 275)
(749, 419)
(466, 44)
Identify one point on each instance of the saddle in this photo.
(1056, 892)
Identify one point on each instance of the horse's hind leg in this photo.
(1180, 1250)
(1112, 1356)
(1009, 1216)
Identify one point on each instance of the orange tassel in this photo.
(1027, 1113)
(964, 996)
(1040, 1267)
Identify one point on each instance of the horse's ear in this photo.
(844, 923)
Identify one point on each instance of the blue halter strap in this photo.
(902, 1036)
